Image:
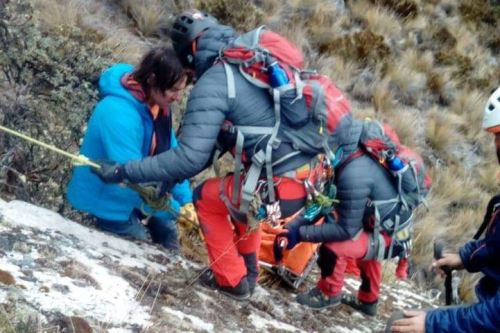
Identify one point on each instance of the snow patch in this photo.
(198, 323)
(261, 323)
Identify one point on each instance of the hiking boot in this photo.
(317, 300)
(369, 309)
(241, 292)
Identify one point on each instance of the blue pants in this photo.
(158, 230)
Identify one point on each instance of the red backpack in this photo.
(308, 106)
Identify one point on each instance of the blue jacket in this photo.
(477, 256)
(120, 129)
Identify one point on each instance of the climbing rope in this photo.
(147, 193)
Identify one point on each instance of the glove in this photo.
(109, 172)
(286, 240)
(188, 218)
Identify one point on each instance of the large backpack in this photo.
(308, 108)
(379, 141)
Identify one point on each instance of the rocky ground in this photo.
(57, 273)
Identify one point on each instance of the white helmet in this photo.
(491, 120)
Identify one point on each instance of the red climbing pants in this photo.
(333, 260)
(232, 251)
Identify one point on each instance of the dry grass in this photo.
(453, 189)
(383, 97)
(470, 108)
(403, 8)
(488, 176)
(340, 70)
(59, 13)
(440, 132)
(124, 51)
(192, 245)
(241, 14)
(323, 21)
(407, 84)
(146, 14)
(378, 19)
(407, 123)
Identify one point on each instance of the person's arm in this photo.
(481, 317)
(481, 254)
(354, 186)
(206, 111)
(181, 192)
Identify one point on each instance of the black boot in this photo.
(369, 309)
(240, 292)
(252, 270)
(317, 300)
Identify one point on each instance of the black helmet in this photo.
(187, 27)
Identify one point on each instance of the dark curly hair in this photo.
(160, 68)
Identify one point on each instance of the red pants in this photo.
(333, 260)
(231, 250)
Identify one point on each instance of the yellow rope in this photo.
(79, 159)
(148, 193)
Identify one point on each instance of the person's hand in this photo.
(109, 172)
(450, 260)
(188, 218)
(285, 240)
(414, 322)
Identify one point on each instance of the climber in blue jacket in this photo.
(481, 255)
(132, 120)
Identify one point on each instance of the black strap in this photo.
(492, 206)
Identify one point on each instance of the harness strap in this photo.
(272, 144)
(240, 140)
(493, 206)
(231, 86)
(251, 180)
(397, 219)
(399, 177)
(233, 211)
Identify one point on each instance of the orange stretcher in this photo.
(296, 264)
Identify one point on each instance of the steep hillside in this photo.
(57, 273)
(426, 67)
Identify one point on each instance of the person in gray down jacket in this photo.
(349, 232)
(232, 249)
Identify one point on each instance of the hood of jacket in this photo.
(208, 46)
(110, 84)
(348, 137)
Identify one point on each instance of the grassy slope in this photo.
(426, 67)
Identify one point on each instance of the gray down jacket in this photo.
(208, 107)
(360, 180)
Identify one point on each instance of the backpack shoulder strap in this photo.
(493, 206)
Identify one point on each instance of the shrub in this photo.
(48, 82)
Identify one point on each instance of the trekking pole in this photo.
(147, 193)
(438, 254)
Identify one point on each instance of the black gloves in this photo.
(109, 172)
(286, 240)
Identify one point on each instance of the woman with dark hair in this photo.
(131, 121)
